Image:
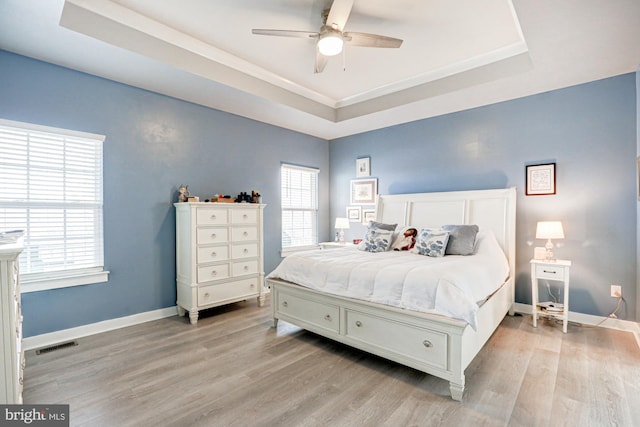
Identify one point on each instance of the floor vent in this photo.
(56, 347)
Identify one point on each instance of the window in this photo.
(51, 187)
(299, 206)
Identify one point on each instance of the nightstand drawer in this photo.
(550, 272)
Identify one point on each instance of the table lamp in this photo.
(342, 223)
(549, 230)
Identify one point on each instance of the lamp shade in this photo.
(342, 223)
(549, 230)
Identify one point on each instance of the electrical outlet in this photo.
(616, 291)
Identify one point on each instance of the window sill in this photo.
(44, 284)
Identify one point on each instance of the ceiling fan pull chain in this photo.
(344, 59)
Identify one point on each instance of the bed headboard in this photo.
(489, 209)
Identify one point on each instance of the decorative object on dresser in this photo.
(219, 255)
(183, 193)
(11, 351)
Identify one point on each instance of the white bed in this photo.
(436, 344)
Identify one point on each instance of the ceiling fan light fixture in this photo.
(330, 44)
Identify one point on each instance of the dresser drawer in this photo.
(227, 291)
(249, 250)
(320, 315)
(422, 345)
(212, 253)
(550, 272)
(212, 216)
(212, 235)
(245, 267)
(244, 216)
(213, 272)
(244, 234)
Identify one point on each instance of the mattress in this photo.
(452, 285)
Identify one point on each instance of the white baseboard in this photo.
(45, 340)
(591, 320)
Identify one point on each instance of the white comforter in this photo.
(452, 285)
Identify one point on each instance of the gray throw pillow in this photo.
(462, 239)
(381, 226)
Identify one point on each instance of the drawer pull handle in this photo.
(213, 235)
(550, 271)
(214, 272)
(285, 304)
(246, 268)
(245, 216)
(213, 216)
(327, 317)
(427, 343)
(358, 323)
(245, 234)
(252, 286)
(206, 295)
(213, 254)
(246, 251)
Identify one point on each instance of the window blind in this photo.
(299, 205)
(51, 187)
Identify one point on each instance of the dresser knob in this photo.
(214, 254)
(358, 323)
(246, 268)
(206, 295)
(213, 216)
(245, 234)
(214, 272)
(427, 343)
(213, 235)
(327, 317)
(246, 251)
(252, 286)
(245, 216)
(285, 304)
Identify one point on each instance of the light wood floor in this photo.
(233, 368)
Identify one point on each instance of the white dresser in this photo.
(11, 351)
(219, 255)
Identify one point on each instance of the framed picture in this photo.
(363, 167)
(364, 191)
(368, 215)
(353, 213)
(541, 179)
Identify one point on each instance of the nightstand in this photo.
(557, 270)
(335, 245)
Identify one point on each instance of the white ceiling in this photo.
(457, 54)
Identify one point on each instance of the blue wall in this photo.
(589, 131)
(153, 144)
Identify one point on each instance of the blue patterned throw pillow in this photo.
(431, 242)
(376, 240)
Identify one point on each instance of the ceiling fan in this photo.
(331, 37)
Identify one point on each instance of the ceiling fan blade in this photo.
(321, 62)
(339, 13)
(285, 33)
(370, 40)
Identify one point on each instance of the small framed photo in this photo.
(368, 215)
(353, 213)
(364, 191)
(363, 167)
(541, 179)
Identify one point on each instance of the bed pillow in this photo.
(376, 240)
(431, 242)
(462, 239)
(381, 226)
